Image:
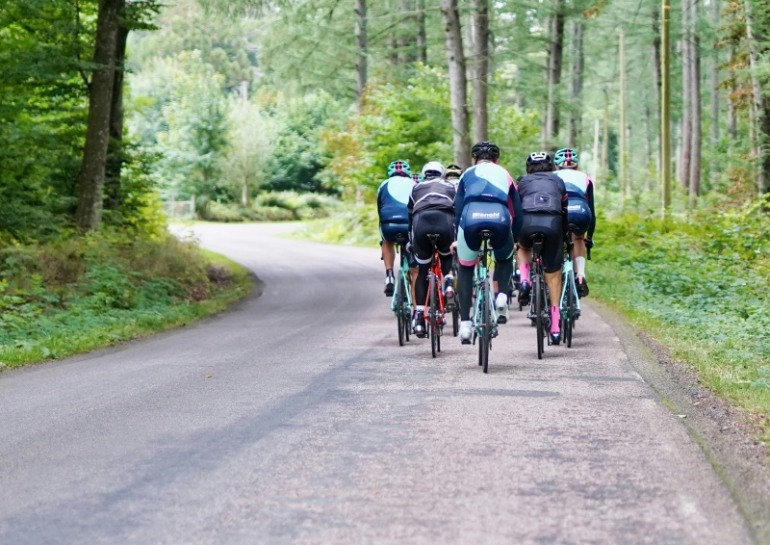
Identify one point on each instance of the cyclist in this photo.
(453, 173)
(544, 206)
(392, 198)
(580, 210)
(431, 211)
(486, 200)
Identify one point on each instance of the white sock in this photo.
(420, 308)
(580, 264)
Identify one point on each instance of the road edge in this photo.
(725, 434)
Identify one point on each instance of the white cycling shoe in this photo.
(466, 331)
(501, 305)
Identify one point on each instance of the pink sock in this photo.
(555, 319)
(524, 272)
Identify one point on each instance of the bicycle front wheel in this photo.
(399, 309)
(538, 302)
(431, 322)
(568, 321)
(486, 330)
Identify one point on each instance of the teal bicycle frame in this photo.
(484, 312)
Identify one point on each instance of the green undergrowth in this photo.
(75, 295)
(699, 284)
(357, 226)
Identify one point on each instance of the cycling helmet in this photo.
(453, 171)
(399, 168)
(566, 158)
(539, 161)
(485, 150)
(432, 169)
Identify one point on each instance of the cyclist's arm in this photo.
(590, 199)
(564, 203)
(410, 209)
(459, 203)
(380, 199)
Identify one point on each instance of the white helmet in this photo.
(432, 169)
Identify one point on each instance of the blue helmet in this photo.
(399, 168)
(566, 158)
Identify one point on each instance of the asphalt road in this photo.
(297, 418)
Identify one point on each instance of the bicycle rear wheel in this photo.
(430, 323)
(399, 309)
(537, 295)
(568, 321)
(486, 329)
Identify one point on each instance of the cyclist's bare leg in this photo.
(553, 280)
(579, 254)
(388, 254)
(524, 258)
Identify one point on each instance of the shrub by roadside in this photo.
(699, 285)
(78, 294)
(272, 206)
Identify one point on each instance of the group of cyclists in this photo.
(553, 199)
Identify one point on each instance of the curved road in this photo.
(296, 418)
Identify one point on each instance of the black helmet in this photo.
(453, 171)
(485, 150)
(539, 161)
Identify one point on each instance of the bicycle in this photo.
(539, 304)
(569, 303)
(401, 303)
(434, 301)
(484, 312)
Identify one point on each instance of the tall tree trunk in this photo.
(363, 51)
(457, 82)
(665, 107)
(555, 54)
(92, 169)
(113, 188)
(656, 67)
(408, 42)
(623, 129)
(695, 108)
(714, 83)
(480, 33)
(761, 104)
(392, 37)
(732, 117)
(422, 40)
(575, 120)
(686, 131)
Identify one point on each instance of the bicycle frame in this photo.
(568, 270)
(481, 277)
(406, 277)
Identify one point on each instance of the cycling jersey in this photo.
(544, 205)
(580, 191)
(392, 199)
(431, 210)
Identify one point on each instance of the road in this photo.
(297, 418)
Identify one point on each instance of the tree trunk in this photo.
(760, 104)
(480, 33)
(686, 144)
(656, 67)
(394, 25)
(623, 129)
(732, 118)
(92, 170)
(665, 108)
(408, 42)
(714, 84)
(422, 40)
(555, 54)
(695, 108)
(363, 51)
(113, 187)
(457, 82)
(575, 120)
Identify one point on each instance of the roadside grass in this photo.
(698, 285)
(71, 297)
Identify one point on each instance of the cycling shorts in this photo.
(429, 222)
(394, 232)
(579, 214)
(484, 216)
(549, 225)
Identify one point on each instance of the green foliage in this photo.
(274, 206)
(701, 283)
(77, 294)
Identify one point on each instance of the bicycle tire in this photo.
(430, 323)
(400, 309)
(569, 320)
(486, 333)
(537, 294)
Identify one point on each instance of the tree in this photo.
(480, 56)
(92, 170)
(555, 54)
(457, 82)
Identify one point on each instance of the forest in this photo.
(275, 110)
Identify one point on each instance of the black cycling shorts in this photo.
(579, 214)
(549, 225)
(429, 222)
